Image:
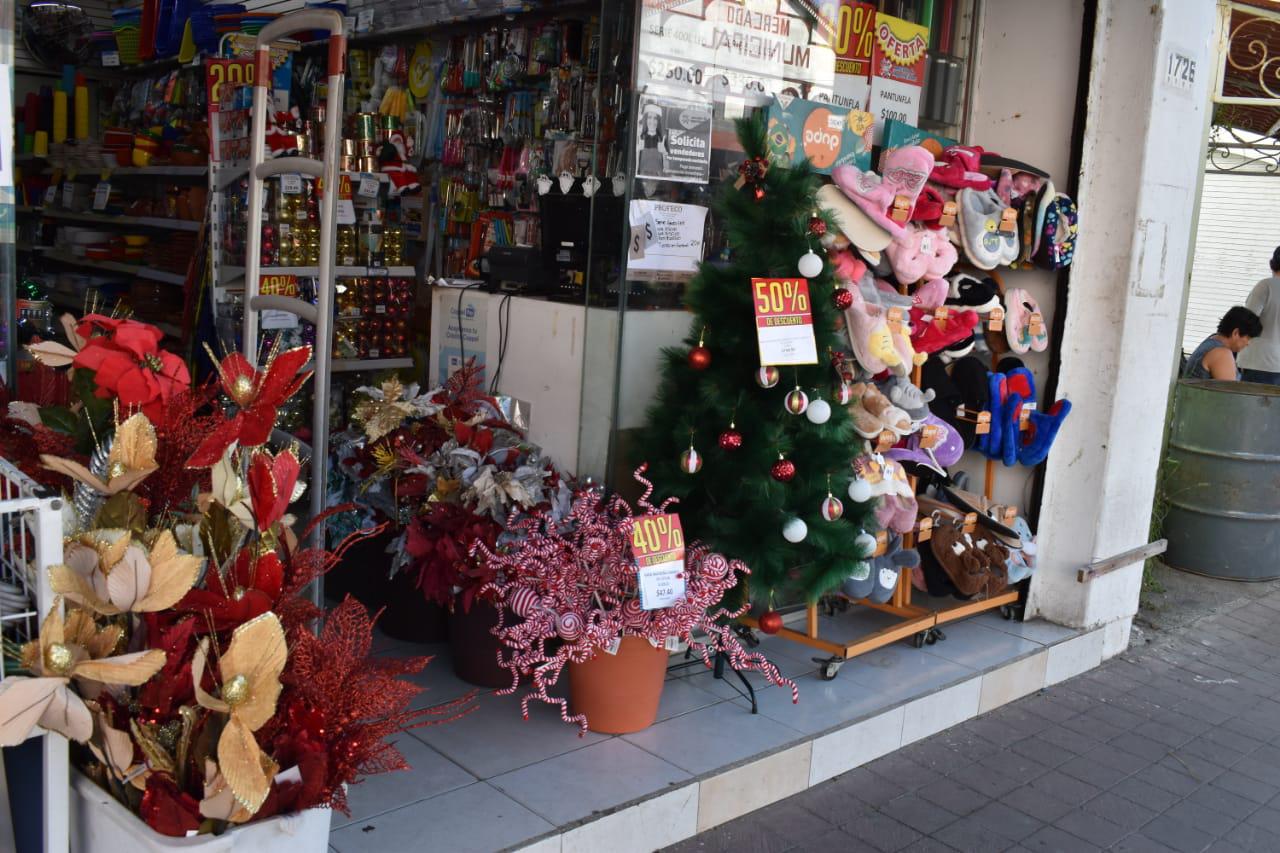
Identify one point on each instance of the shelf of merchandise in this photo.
(116, 266)
(104, 219)
(142, 171)
(353, 365)
(229, 275)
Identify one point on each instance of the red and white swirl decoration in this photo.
(575, 581)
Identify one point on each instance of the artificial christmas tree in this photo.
(759, 489)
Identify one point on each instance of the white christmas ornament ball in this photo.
(859, 490)
(819, 412)
(810, 265)
(865, 542)
(795, 530)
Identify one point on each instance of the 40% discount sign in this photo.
(784, 321)
(657, 541)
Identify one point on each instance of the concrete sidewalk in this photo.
(1172, 746)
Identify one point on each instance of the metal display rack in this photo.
(320, 315)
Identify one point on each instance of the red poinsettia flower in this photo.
(258, 395)
(129, 365)
(271, 480)
(250, 589)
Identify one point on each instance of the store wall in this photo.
(1142, 156)
(1024, 98)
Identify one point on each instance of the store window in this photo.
(839, 80)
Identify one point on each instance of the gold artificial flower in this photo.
(381, 416)
(250, 671)
(106, 572)
(131, 460)
(57, 660)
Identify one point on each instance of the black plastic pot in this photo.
(472, 648)
(409, 616)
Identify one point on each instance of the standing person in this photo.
(1215, 358)
(1261, 361)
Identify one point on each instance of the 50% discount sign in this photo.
(657, 542)
(784, 321)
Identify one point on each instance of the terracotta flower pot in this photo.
(473, 650)
(619, 693)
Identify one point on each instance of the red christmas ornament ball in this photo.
(699, 358)
(817, 227)
(784, 470)
(770, 622)
(842, 299)
(758, 193)
(730, 439)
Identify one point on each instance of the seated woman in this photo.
(1215, 358)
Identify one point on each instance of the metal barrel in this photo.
(1221, 481)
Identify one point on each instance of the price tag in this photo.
(374, 352)
(948, 217)
(68, 193)
(901, 208)
(925, 530)
(368, 188)
(1009, 220)
(346, 212)
(926, 244)
(1036, 323)
(984, 423)
(882, 543)
(1010, 515)
(273, 318)
(784, 321)
(672, 643)
(940, 315)
(931, 436)
(278, 285)
(111, 59)
(970, 521)
(995, 320)
(379, 309)
(50, 195)
(364, 20)
(612, 648)
(885, 440)
(1024, 415)
(657, 541)
(101, 194)
(291, 184)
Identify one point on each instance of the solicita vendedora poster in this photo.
(674, 139)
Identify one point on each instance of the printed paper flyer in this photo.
(897, 71)
(673, 142)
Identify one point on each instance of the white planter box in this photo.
(99, 824)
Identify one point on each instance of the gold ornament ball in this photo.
(236, 690)
(58, 659)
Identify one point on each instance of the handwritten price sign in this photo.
(784, 321)
(657, 542)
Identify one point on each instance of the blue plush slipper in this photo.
(989, 445)
(1042, 429)
(1011, 438)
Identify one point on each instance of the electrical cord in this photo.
(504, 337)
(462, 337)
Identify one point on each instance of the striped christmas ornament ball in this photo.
(569, 626)
(524, 602)
(797, 401)
(691, 461)
(844, 394)
(832, 509)
(767, 377)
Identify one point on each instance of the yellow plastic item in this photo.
(59, 116)
(82, 111)
(136, 239)
(187, 50)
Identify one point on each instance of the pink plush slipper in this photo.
(870, 193)
(931, 293)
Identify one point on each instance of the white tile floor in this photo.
(492, 781)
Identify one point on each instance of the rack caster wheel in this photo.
(938, 635)
(930, 638)
(920, 639)
(830, 667)
(747, 636)
(829, 605)
(1006, 611)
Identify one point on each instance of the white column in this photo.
(1139, 177)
